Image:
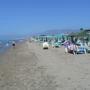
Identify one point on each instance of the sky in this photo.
(26, 17)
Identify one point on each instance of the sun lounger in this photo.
(55, 44)
(80, 50)
(88, 49)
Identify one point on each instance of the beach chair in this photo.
(87, 47)
(55, 45)
(88, 50)
(80, 50)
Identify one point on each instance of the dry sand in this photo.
(29, 67)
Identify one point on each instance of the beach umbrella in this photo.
(72, 34)
(49, 36)
(60, 35)
(52, 36)
(83, 34)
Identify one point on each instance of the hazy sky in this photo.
(25, 17)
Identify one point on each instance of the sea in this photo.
(6, 41)
(4, 44)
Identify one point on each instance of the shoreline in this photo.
(5, 49)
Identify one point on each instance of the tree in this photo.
(81, 29)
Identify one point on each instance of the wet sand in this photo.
(29, 67)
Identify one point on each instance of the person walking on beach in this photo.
(13, 44)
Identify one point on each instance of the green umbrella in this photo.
(73, 34)
(83, 34)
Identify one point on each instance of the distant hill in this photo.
(57, 31)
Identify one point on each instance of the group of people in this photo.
(71, 47)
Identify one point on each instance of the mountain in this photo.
(57, 31)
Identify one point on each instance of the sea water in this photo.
(4, 44)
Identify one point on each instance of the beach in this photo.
(29, 67)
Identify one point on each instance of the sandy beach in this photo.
(29, 67)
